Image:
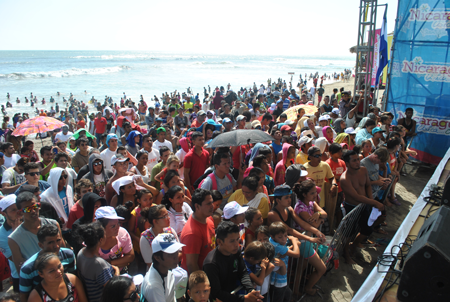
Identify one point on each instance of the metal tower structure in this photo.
(365, 49)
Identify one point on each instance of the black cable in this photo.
(391, 260)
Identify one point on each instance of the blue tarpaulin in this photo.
(420, 74)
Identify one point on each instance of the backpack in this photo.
(213, 179)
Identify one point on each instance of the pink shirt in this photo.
(123, 246)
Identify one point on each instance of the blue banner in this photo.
(420, 74)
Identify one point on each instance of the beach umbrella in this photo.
(38, 124)
(239, 138)
(292, 112)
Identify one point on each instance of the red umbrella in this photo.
(39, 124)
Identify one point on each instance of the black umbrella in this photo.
(239, 138)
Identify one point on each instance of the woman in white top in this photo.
(159, 219)
(179, 210)
(141, 167)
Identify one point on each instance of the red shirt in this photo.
(199, 239)
(237, 155)
(100, 125)
(196, 164)
(195, 124)
(338, 168)
(81, 124)
(76, 212)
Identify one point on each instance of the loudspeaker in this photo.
(445, 201)
(426, 271)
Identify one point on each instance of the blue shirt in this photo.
(286, 103)
(276, 279)
(5, 231)
(42, 184)
(62, 194)
(277, 148)
(29, 276)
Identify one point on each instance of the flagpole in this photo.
(382, 54)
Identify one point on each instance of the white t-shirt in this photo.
(91, 127)
(157, 145)
(106, 155)
(63, 137)
(205, 107)
(153, 158)
(154, 289)
(13, 178)
(11, 161)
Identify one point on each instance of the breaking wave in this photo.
(63, 73)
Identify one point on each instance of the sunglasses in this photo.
(33, 173)
(133, 296)
(317, 155)
(164, 217)
(98, 163)
(63, 177)
(36, 206)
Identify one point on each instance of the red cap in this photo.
(285, 128)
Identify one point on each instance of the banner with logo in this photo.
(420, 74)
(376, 57)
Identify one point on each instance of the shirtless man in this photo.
(356, 185)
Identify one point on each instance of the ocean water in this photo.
(101, 73)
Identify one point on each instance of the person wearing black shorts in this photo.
(355, 184)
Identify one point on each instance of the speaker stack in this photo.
(426, 270)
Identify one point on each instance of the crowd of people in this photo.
(139, 190)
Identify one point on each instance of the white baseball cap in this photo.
(232, 209)
(167, 243)
(289, 122)
(7, 201)
(124, 180)
(118, 158)
(304, 140)
(107, 212)
(306, 132)
(335, 111)
(240, 117)
(323, 118)
(350, 130)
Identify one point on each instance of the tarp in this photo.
(371, 285)
(420, 74)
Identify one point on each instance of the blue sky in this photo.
(283, 27)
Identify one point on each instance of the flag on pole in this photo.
(383, 49)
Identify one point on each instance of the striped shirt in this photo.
(95, 272)
(29, 276)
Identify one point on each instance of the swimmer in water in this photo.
(7, 95)
(17, 100)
